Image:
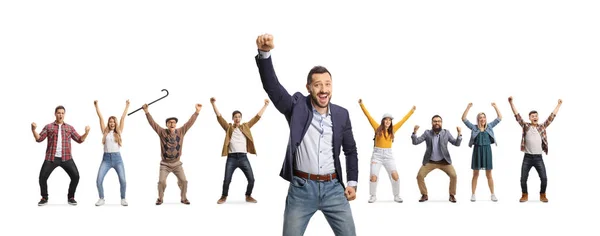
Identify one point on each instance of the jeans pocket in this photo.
(298, 182)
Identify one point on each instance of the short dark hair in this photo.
(533, 112)
(316, 70)
(435, 117)
(171, 118)
(58, 108)
(235, 112)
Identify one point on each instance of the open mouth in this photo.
(323, 97)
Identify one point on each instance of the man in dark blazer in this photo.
(436, 155)
(318, 130)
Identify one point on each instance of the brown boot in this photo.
(524, 198)
(250, 199)
(452, 199)
(222, 200)
(543, 197)
(423, 198)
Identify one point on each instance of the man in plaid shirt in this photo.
(534, 142)
(58, 154)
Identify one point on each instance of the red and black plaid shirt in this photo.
(541, 128)
(67, 133)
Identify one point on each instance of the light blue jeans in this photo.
(111, 160)
(305, 197)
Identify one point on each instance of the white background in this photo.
(437, 55)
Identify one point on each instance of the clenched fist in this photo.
(416, 128)
(266, 102)
(265, 42)
(33, 126)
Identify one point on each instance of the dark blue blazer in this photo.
(298, 113)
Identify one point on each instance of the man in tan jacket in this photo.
(238, 142)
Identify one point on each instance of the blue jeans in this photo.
(111, 160)
(305, 197)
(234, 161)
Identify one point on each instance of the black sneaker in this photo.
(72, 202)
(42, 202)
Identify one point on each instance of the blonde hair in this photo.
(478, 114)
(115, 132)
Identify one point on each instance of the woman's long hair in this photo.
(485, 125)
(116, 132)
(382, 131)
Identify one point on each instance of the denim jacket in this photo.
(475, 130)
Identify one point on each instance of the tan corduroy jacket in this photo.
(244, 127)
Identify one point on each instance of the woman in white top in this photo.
(111, 138)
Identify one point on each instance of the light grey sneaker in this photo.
(100, 202)
(372, 199)
(124, 202)
(398, 199)
(494, 199)
(473, 197)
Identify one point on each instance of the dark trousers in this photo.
(234, 161)
(533, 160)
(69, 167)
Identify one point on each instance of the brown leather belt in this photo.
(324, 178)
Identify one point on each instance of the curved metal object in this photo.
(163, 90)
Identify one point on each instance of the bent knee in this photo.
(373, 178)
(395, 176)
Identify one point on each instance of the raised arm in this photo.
(262, 110)
(259, 115)
(514, 110)
(372, 121)
(192, 120)
(553, 114)
(122, 122)
(404, 119)
(212, 102)
(80, 138)
(413, 136)
(280, 97)
(455, 141)
(220, 118)
(512, 106)
(498, 114)
(151, 121)
(102, 125)
(466, 121)
(38, 137)
(464, 116)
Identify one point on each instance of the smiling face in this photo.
(386, 122)
(481, 119)
(112, 123)
(320, 89)
(436, 123)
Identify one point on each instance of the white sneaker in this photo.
(372, 199)
(124, 202)
(494, 199)
(473, 197)
(100, 202)
(398, 199)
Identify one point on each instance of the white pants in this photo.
(383, 157)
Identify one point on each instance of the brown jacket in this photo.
(171, 144)
(244, 127)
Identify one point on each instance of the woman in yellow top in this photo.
(382, 152)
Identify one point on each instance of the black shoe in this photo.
(72, 202)
(42, 202)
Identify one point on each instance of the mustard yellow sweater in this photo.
(384, 141)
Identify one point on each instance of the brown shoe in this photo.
(185, 201)
(424, 198)
(543, 197)
(222, 200)
(159, 201)
(524, 198)
(452, 199)
(250, 199)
